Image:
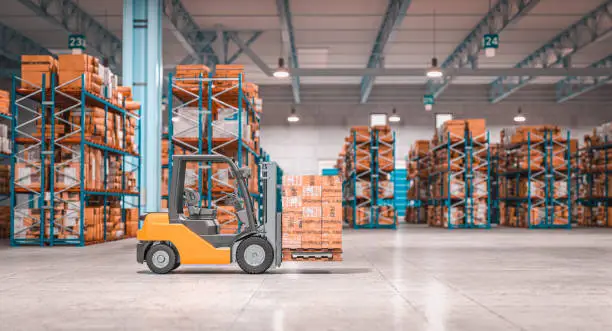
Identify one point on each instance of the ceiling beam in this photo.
(13, 44)
(247, 43)
(254, 57)
(500, 16)
(572, 87)
(70, 17)
(396, 10)
(284, 14)
(194, 40)
(590, 29)
(465, 72)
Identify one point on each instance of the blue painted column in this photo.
(142, 54)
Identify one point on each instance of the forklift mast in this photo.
(272, 209)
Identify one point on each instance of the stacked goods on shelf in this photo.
(595, 179)
(534, 177)
(187, 76)
(5, 222)
(418, 166)
(74, 66)
(34, 67)
(458, 179)
(368, 160)
(5, 139)
(5, 103)
(494, 192)
(312, 216)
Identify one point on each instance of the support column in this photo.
(142, 54)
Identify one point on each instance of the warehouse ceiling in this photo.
(341, 33)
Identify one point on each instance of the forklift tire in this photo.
(161, 259)
(255, 255)
(176, 265)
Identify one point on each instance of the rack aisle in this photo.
(418, 163)
(459, 179)
(75, 163)
(217, 114)
(535, 177)
(367, 186)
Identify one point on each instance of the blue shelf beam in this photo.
(287, 36)
(396, 11)
(590, 29)
(502, 15)
(572, 87)
(187, 31)
(70, 17)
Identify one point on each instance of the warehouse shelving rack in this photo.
(587, 177)
(474, 153)
(211, 93)
(420, 183)
(41, 102)
(4, 157)
(495, 158)
(366, 171)
(541, 192)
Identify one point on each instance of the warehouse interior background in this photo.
(415, 225)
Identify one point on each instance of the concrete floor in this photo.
(412, 279)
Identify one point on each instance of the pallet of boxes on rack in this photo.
(418, 164)
(5, 170)
(75, 154)
(215, 114)
(535, 177)
(312, 217)
(494, 179)
(369, 192)
(594, 208)
(459, 177)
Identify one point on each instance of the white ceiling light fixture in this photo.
(394, 118)
(520, 117)
(428, 107)
(434, 71)
(282, 71)
(293, 116)
(175, 119)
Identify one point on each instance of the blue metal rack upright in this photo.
(370, 157)
(462, 179)
(536, 181)
(206, 134)
(51, 106)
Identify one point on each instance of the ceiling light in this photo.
(394, 118)
(428, 107)
(281, 71)
(489, 52)
(293, 117)
(520, 117)
(434, 71)
(175, 119)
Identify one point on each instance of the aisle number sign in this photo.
(491, 40)
(428, 99)
(77, 41)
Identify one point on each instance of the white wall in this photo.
(320, 134)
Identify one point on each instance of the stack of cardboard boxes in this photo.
(33, 67)
(5, 222)
(74, 66)
(312, 214)
(5, 102)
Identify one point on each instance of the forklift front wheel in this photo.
(255, 255)
(161, 259)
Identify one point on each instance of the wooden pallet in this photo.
(336, 254)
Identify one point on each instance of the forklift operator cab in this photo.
(168, 240)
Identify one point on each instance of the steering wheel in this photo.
(191, 197)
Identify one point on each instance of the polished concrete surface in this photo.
(412, 279)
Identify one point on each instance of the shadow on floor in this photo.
(318, 271)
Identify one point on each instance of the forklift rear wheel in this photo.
(255, 255)
(161, 259)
